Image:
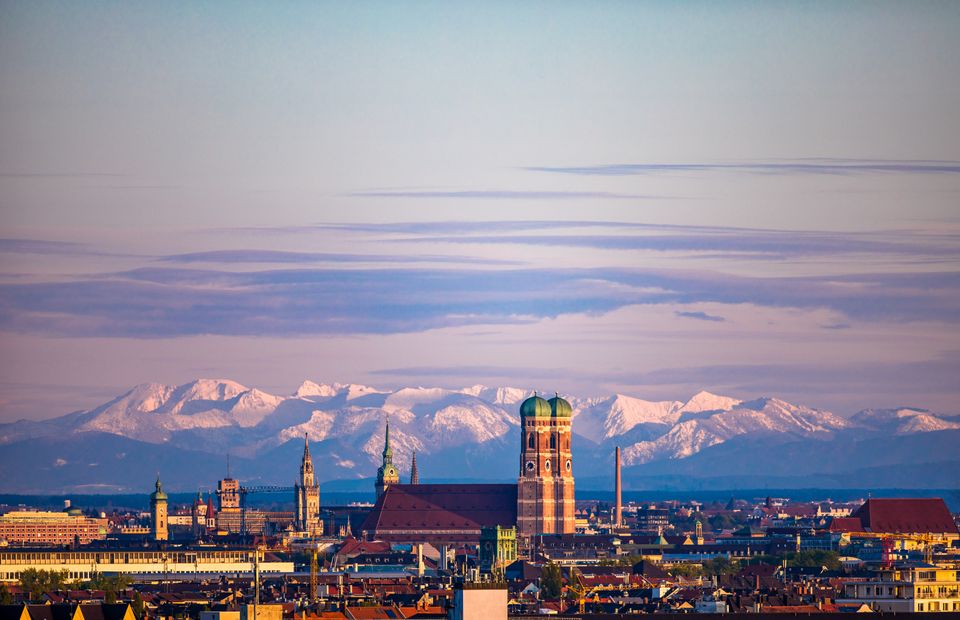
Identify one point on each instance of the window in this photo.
(553, 442)
(530, 441)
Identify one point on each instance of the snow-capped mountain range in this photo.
(469, 432)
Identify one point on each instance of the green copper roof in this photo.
(560, 408)
(535, 407)
(158, 494)
(387, 450)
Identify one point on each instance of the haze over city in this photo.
(754, 199)
(479, 310)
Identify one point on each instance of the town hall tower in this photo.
(307, 495)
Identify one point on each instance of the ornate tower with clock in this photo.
(387, 474)
(545, 492)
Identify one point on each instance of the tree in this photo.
(690, 571)
(5, 597)
(137, 605)
(551, 581)
(720, 565)
(36, 582)
(815, 558)
(111, 585)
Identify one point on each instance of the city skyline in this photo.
(752, 199)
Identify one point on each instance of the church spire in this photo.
(387, 474)
(414, 474)
(306, 464)
(387, 450)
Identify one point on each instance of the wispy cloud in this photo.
(507, 195)
(937, 375)
(834, 166)
(285, 257)
(701, 316)
(710, 241)
(58, 175)
(162, 302)
(771, 243)
(39, 246)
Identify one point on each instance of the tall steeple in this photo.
(307, 494)
(387, 474)
(387, 450)
(306, 464)
(414, 474)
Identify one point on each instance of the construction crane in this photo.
(314, 569)
(575, 584)
(263, 489)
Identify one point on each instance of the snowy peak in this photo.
(143, 397)
(925, 423)
(499, 395)
(252, 406)
(202, 390)
(705, 401)
(761, 417)
(347, 421)
(408, 398)
(602, 419)
(880, 417)
(354, 391)
(309, 389)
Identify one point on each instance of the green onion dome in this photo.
(535, 407)
(560, 408)
(158, 493)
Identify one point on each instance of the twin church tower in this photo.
(545, 501)
(544, 490)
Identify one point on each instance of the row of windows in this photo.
(531, 441)
(122, 557)
(938, 606)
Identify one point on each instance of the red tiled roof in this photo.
(896, 516)
(432, 611)
(450, 512)
(790, 609)
(374, 613)
(846, 524)
(352, 546)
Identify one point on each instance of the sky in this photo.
(651, 198)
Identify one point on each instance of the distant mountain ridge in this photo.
(468, 432)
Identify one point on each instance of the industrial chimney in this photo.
(618, 511)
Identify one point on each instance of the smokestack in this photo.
(618, 511)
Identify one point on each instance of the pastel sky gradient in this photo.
(754, 198)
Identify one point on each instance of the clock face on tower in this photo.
(569, 465)
(547, 465)
(530, 466)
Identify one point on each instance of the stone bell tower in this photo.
(307, 495)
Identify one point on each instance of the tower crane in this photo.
(243, 491)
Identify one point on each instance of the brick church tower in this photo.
(545, 495)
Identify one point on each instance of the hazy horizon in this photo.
(750, 198)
